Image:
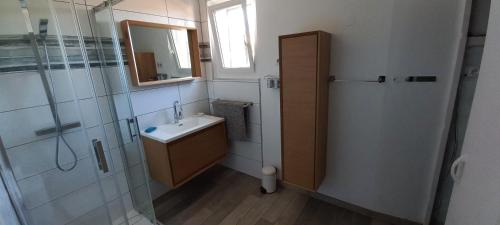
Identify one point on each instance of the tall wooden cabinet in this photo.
(304, 72)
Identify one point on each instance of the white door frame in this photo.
(463, 12)
(476, 196)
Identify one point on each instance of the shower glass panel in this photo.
(49, 119)
(62, 121)
(110, 56)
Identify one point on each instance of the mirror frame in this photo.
(194, 51)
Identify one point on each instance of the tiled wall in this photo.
(154, 105)
(17, 54)
(244, 156)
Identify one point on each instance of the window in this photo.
(233, 29)
(181, 46)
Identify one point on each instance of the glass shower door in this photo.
(59, 142)
(110, 55)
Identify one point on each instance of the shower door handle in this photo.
(99, 154)
(129, 121)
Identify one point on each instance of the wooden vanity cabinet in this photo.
(177, 162)
(304, 73)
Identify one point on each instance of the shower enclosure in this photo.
(69, 146)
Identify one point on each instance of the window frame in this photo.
(175, 54)
(217, 54)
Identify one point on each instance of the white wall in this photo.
(383, 138)
(473, 52)
(414, 117)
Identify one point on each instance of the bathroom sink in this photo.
(170, 132)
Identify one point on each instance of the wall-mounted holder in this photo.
(380, 79)
(421, 79)
(272, 81)
(414, 79)
(205, 55)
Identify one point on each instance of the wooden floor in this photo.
(223, 196)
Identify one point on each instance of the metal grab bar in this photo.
(380, 79)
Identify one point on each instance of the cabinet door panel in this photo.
(192, 154)
(157, 157)
(298, 58)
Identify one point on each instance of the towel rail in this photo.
(245, 104)
(380, 79)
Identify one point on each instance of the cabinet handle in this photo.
(99, 154)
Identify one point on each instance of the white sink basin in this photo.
(170, 132)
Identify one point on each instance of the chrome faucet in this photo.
(177, 112)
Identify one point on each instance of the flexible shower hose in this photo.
(59, 131)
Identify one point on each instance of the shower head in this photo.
(42, 27)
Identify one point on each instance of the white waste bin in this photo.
(268, 180)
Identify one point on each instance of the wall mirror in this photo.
(160, 53)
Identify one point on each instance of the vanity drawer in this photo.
(177, 162)
(197, 151)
